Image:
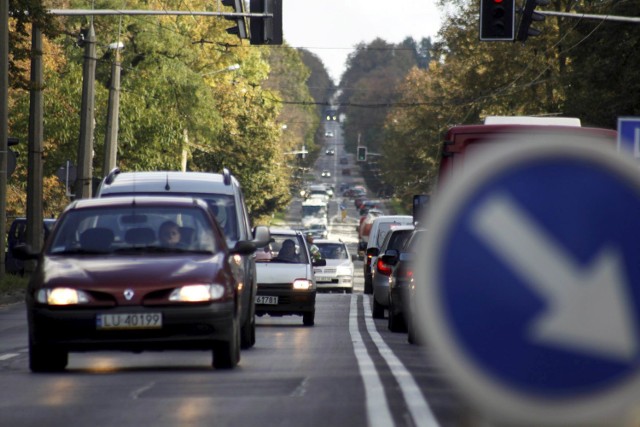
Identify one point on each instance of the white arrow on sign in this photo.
(588, 308)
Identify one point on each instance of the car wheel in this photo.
(248, 333)
(46, 359)
(226, 354)
(308, 319)
(396, 322)
(349, 291)
(377, 310)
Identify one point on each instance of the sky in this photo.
(332, 28)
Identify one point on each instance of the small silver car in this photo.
(337, 274)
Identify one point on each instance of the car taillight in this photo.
(405, 274)
(369, 260)
(383, 268)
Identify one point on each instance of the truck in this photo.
(315, 211)
(464, 141)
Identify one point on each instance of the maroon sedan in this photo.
(134, 274)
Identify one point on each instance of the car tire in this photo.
(248, 333)
(308, 319)
(47, 359)
(226, 354)
(396, 322)
(349, 291)
(377, 311)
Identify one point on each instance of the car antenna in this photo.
(167, 186)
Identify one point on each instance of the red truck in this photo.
(462, 141)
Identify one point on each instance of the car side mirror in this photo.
(244, 247)
(390, 257)
(373, 252)
(319, 263)
(24, 252)
(261, 236)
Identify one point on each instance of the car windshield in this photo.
(332, 250)
(107, 230)
(288, 249)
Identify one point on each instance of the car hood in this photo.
(122, 272)
(338, 262)
(276, 272)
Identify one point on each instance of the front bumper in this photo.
(183, 328)
(289, 301)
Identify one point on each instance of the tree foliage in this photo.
(178, 99)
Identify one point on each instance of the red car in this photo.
(135, 274)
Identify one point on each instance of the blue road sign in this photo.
(530, 290)
(629, 135)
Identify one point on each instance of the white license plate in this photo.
(269, 300)
(323, 279)
(129, 321)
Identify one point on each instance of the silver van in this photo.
(223, 194)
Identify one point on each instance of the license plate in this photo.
(269, 300)
(323, 279)
(129, 321)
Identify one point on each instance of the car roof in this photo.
(137, 201)
(169, 181)
(392, 218)
(327, 241)
(284, 231)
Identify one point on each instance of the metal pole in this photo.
(35, 230)
(85, 147)
(4, 124)
(111, 137)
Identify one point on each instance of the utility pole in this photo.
(35, 231)
(111, 137)
(4, 124)
(85, 147)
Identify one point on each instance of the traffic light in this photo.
(266, 30)
(241, 24)
(497, 20)
(362, 154)
(528, 16)
(12, 141)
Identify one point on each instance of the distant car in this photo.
(395, 238)
(17, 235)
(107, 280)
(401, 280)
(329, 134)
(286, 284)
(317, 231)
(346, 172)
(338, 272)
(344, 161)
(326, 173)
(379, 229)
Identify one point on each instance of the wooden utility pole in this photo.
(85, 147)
(4, 124)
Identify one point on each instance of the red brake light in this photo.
(383, 268)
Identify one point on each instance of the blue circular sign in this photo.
(529, 292)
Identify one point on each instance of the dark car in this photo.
(134, 274)
(400, 282)
(286, 283)
(17, 235)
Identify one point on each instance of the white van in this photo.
(381, 225)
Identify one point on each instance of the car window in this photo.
(398, 239)
(117, 229)
(287, 249)
(333, 250)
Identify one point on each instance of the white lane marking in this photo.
(588, 308)
(8, 356)
(418, 406)
(378, 412)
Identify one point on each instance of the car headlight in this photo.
(302, 284)
(62, 296)
(197, 293)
